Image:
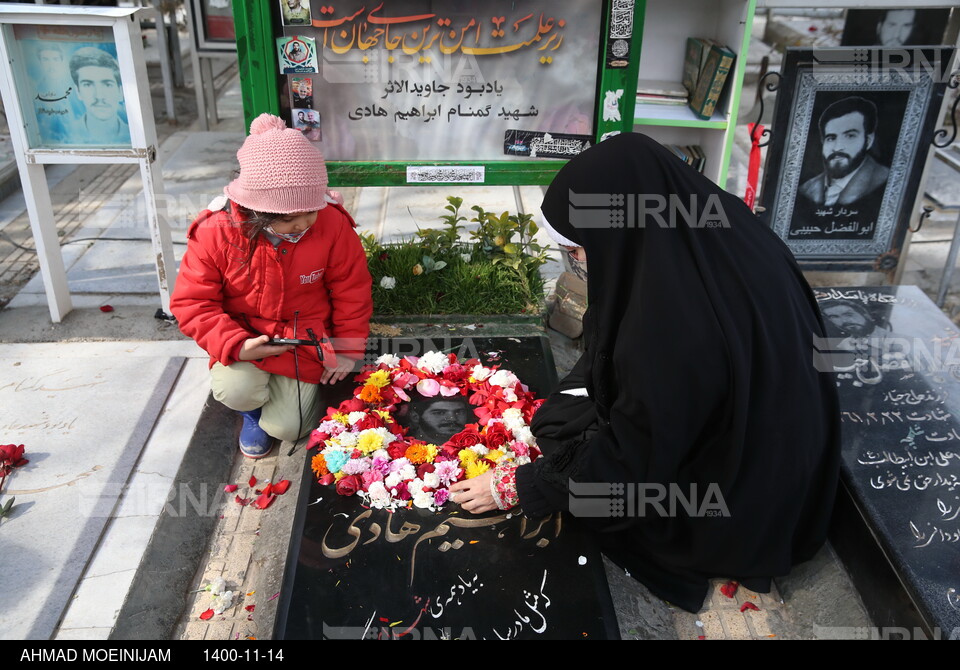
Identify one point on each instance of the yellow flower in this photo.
(339, 475)
(468, 456)
(418, 269)
(476, 468)
(380, 378)
(369, 442)
(383, 414)
(432, 450)
(341, 417)
(494, 455)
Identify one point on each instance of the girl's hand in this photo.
(333, 375)
(256, 348)
(474, 494)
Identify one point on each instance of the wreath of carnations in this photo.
(364, 451)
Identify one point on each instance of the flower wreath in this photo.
(366, 452)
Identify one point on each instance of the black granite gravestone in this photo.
(896, 359)
(359, 573)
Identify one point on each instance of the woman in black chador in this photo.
(699, 383)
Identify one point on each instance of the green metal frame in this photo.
(259, 81)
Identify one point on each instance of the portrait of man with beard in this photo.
(848, 129)
(435, 420)
(843, 200)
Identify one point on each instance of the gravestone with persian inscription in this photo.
(896, 360)
(359, 573)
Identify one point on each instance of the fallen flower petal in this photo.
(230, 488)
(281, 487)
(106, 308)
(274, 596)
(249, 608)
(264, 501)
(749, 606)
(729, 589)
(207, 615)
(267, 490)
(252, 482)
(242, 501)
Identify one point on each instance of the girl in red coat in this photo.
(278, 257)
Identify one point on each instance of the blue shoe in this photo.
(254, 441)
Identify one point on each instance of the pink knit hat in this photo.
(280, 171)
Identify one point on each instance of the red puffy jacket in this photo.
(322, 282)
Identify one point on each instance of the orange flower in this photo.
(319, 465)
(417, 454)
(370, 393)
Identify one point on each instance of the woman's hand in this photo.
(257, 347)
(338, 372)
(474, 495)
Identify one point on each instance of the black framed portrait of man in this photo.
(435, 420)
(895, 27)
(851, 133)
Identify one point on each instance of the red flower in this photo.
(402, 492)
(455, 372)
(729, 589)
(370, 421)
(316, 437)
(207, 615)
(252, 482)
(465, 438)
(349, 485)
(327, 479)
(351, 405)
(230, 488)
(396, 449)
(749, 606)
(496, 436)
(11, 456)
(106, 308)
(424, 469)
(281, 487)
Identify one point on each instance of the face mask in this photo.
(292, 238)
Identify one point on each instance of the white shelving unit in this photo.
(666, 26)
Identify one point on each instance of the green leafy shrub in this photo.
(495, 271)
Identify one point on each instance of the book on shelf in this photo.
(707, 63)
(692, 155)
(661, 92)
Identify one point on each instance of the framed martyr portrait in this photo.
(852, 130)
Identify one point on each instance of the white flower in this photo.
(217, 586)
(480, 373)
(503, 378)
(407, 471)
(431, 480)
(388, 283)
(391, 360)
(521, 460)
(466, 258)
(347, 439)
(433, 361)
(509, 395)
(423, 500)
(381, 453)
(222, 601)
(378, 496)
(391, 480)
(356, 417)
(525, 435)
(415, 486)
(479, 449)
(513, 418)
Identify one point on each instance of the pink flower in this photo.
(369, 477)
(440, 496)
(428, 387)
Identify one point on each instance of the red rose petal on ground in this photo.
(263, 502)
(242, 501)
(249, 608)
(230, 488)
(106, 308)
(281, 487)
(252, 482)
(267, 490)
(749, 606)
(730, 589)
(206, 616)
